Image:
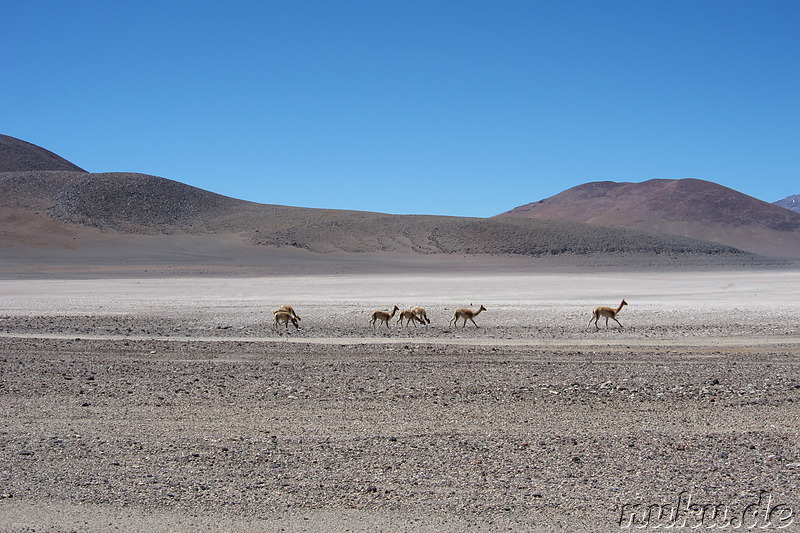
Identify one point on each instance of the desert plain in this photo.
(173, 403)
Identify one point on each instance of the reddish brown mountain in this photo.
(17, 155)
(688, 207)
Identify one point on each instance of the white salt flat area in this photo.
(753, 290)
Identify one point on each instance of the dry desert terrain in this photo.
(174, 404)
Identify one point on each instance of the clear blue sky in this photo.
(462, 107)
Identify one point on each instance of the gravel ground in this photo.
(176, 405)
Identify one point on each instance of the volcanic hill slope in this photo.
(57, 217)
(17, 155)
(688, 207)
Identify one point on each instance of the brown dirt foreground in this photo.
(174, 405)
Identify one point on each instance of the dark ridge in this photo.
(473, 236)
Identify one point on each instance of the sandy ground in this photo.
(175, 404)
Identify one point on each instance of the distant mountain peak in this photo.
(790, 202)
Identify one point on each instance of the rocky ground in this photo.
(176, 405)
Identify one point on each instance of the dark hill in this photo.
(688, 207)
(132, 203)
(17, 155)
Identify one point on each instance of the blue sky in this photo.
(465, 108)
